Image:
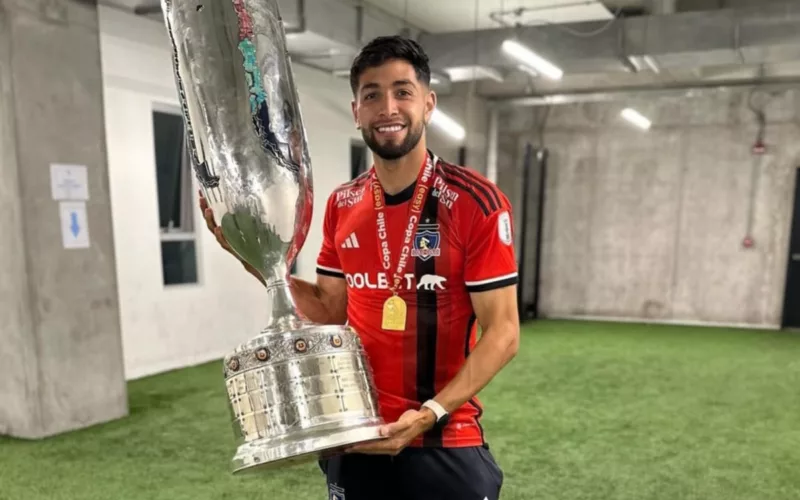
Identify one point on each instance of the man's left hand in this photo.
(396, 436)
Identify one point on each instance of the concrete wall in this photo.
(462, 105)
(61, 359)
(649, 225)
(171, 327)
(18, 357)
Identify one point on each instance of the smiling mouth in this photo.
(390, 129)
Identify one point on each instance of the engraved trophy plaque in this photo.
(298, 389)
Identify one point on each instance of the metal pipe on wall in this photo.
(523, 232)
(491, 149)
(689, 90)
(301, 19)
(541, 157)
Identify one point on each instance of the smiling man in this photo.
(417, 253)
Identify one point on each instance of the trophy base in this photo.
(266, 454)
(298, 394)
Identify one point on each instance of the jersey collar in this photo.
(406, 194)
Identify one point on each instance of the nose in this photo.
(389, 105)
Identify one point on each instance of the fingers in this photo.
(386, 447)
(395, 437)
(204, 205)
(208, 215)
(220, 238)
(395, 428)
(203, 202)
(252, 270)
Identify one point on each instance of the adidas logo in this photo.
(351, 241)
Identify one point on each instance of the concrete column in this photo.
(61, 364)
(663, 6)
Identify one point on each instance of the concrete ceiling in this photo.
(681, 48)
(441, 16)
(690, 41)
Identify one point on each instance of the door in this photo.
(791, 305)
(358, 158)
(534, 177)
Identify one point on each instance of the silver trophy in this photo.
(298, 390)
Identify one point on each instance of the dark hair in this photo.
(386, 48)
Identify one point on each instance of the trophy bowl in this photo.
(298, 390)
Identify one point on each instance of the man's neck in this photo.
(396, 175)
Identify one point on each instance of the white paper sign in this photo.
(74, 224)
(69, 182)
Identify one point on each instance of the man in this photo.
(416, 253)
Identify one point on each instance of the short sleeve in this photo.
(490, 256)
(328, 263)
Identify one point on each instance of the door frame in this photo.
(792, 229)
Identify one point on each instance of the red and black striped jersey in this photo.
(464, 243)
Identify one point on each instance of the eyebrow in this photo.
(396, 83)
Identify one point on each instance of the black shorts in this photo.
(415, 473)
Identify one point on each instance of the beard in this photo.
(391, 151)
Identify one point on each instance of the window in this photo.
(176, 214)
(358, 158)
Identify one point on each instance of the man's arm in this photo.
(496, 312)
(322, 302)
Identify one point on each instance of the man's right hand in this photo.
(208, 215)
(323, 302)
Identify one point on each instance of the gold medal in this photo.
(395, 309)
(394, 314)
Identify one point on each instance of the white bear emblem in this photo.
(430, 281)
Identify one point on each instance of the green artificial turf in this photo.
(586, 411)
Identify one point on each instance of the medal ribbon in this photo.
(424, 183)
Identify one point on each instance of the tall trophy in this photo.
(298, 390)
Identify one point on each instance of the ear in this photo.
(354, 107)
(430, 105)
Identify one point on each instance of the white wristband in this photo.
(436, 408)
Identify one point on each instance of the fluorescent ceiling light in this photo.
(652, 63)
(439, 78)
(527, 69)
(636, 118)
(530, 58)
(472, 72)
(633, 63)
(448, 125)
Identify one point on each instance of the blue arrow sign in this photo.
(74, 226)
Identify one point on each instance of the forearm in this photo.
(312, 303)
(497, 346)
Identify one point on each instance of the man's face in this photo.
(392, 108)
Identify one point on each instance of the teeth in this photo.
(395, 128)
